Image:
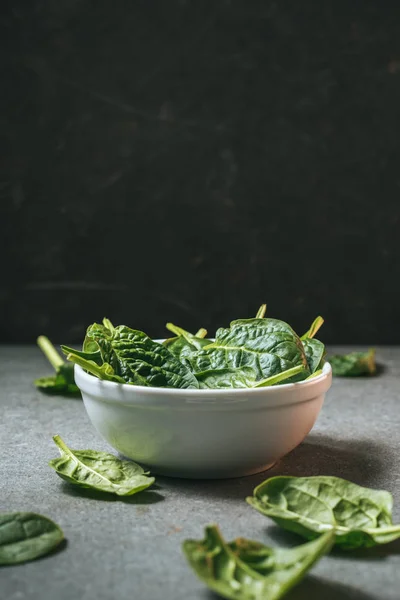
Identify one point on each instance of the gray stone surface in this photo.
(130, 549)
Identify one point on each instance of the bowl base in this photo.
(186, 474)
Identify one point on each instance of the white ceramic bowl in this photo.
(203, 433)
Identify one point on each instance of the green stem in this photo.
(94, 369)
(58, 441)
(175, 329)
(315, 325)
(280, 376)
(261, 311)
(383, 530)
(50, 352)
(315, 374)
(201, 333)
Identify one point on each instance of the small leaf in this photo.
(314, 351)
(99, 471)
(247, 570)
(26, 536)
(353, 364)
(309, 506)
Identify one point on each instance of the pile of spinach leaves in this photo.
(327, 511)
(249, 353)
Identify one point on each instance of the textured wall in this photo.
(189, 160)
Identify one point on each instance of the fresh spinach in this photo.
(268, 346)
(131, 357)
(315, 352)
(247, 570)
(63, 381)
(353, 364)
(250, 353)
(100, 471)
(26, 536)
(309, 506)
(185, 344)
(227, 378)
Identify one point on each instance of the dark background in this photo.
(188, 161)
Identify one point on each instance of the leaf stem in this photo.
(50, 352)
(280, 376)
(315, 374)
(315, 326)
(201, 333)
(61, 445)
(94, 369)
(261, 311)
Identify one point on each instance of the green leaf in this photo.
(100, 471)
(126, 355)
(309, 506)
(26, 536)
(315, 352)
(140, 360)
(268, 346)
(353, 364)
(185, 344)
(246, 570)
(227, 378)
(63, 382)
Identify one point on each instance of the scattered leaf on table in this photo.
(100, 471)
(353, 364)
(309, 506)
(247, 570)
(25, 536)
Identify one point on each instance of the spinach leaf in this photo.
(315, 352)
(309, 506)
(129, 356)
(185, 344)
(246, 570)
(268, 346)
(25, 536)
(63, 381)
(353, 364)
(100, 471)
(227, 378)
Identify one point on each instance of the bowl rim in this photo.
(283, 388)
